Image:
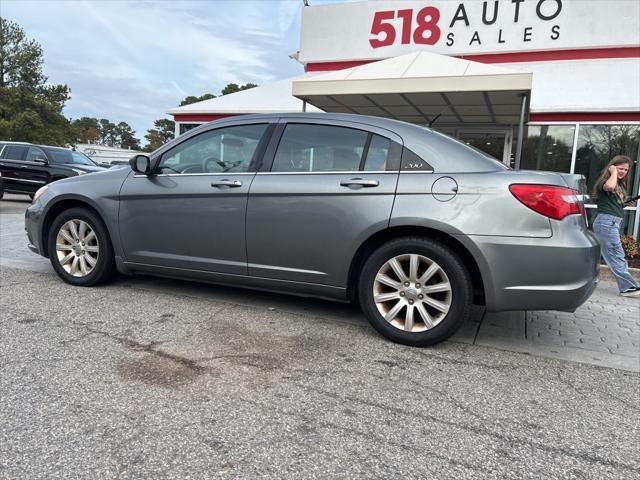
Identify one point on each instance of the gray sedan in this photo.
(414, 225)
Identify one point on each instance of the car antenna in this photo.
(434, 119)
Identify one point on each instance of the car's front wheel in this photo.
(415, 291)
(80, 249)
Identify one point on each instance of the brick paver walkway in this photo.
(604, 331)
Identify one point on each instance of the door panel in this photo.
(194, 218)
(21, 175)
(307, 217)
(307, 227)
(182, 221)
(36, 172)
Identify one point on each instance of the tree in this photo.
(119, 135)
(193, 99)
(163, 131)
(87, 130)
(29, 118)
(233, 87)
(230, 88)
(30, 110)
(107, 132)
(20, 58)
(125, 137)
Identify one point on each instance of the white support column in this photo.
(523, 109)
(575, 148)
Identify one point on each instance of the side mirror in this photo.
(141, 164)
(41, 160)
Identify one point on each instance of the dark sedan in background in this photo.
(26, 167)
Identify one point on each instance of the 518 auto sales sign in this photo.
(383, 29)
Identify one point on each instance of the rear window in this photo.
(494, 161)
(446, 154)
(14, 152)
(319, 148)
(377, 154)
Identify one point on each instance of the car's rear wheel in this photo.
(80, 249)
(415, 291)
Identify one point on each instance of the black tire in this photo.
(460, 291)
(104, 269)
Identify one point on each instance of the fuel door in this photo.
(444, 189)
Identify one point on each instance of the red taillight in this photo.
(549, 200)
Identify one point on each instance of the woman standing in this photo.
(610, 191)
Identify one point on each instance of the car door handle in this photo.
(359, 182)
(226, 183)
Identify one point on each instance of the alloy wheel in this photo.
(412, 292)
(77, 248)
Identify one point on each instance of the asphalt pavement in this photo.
(150, 378)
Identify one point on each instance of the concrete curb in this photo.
(605, 273)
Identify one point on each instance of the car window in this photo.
(377, 154)
(228, 149)
(14, 152)
(35, 153)
(70, 157)
(81, 159)
(319, 148)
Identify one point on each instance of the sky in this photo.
(133, 60)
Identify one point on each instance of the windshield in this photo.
(70, 157)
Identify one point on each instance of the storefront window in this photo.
(185, 127)
(491, 143)
(548, 147)
(597, 144)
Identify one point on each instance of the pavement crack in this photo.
(477, 429)
(377, 439)
(459, 361)
(567, 383)
(450, 398)
(150, 348)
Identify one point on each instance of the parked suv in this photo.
(415, 225)
(26, 167)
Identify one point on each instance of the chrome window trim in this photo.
(347, 172)
(327, 172)
(139, 175)
(39, 182)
